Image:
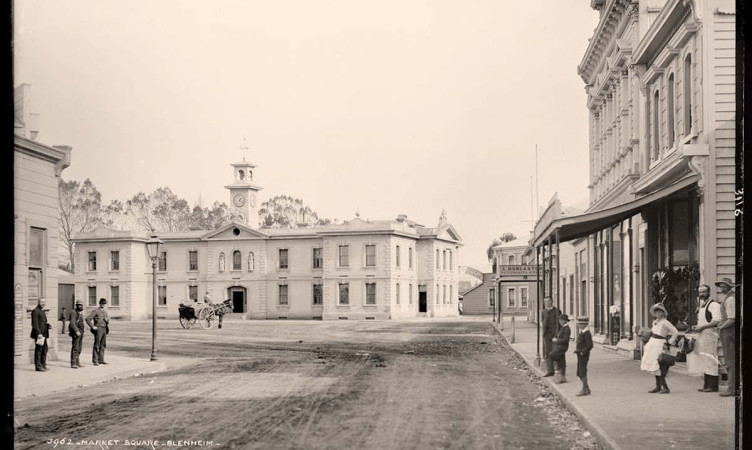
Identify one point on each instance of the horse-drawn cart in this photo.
(203, 313)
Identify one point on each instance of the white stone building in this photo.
(360, 269)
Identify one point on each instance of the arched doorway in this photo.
(239, 297)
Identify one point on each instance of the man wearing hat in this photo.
(561, 345)
(727, 331)
(76, 332)
(98, 322)
(548, 323)
(708, 316)
(582, 350)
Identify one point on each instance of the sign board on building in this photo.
(506, 270)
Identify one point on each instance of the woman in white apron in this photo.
(653, 349)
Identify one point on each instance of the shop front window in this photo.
(676, 280)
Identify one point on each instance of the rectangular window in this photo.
(437, 290)
(437, 259)
(397, 256)
(163, 262)
(370, 256)
(410, 294)
(492, 297)
(410, 257)
(344, 293)
(162, 291)
(451, 293)
(443, 299)
(37, 264)
(370, 293)
(510, 298)
(397, 293)
(92, 296)
(193, 260)
(193, 293)
(523, 297)
(92, 262)
(443, 257)
(114, 295)
(283, 258)
(344, 256)
(283, 294)
(36, 249)
(318, 294)
(318, 258)
(114, 260)
(451, 264)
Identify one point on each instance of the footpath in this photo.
(27, 382)
(621, 413)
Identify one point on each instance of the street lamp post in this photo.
(152, 246)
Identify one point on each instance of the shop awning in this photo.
(575, 227)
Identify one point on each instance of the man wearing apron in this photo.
(708, 316)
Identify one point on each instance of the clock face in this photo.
(238, 200)
(253, 201)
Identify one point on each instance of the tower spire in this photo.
(243, 147)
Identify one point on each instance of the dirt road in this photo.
(313, 385)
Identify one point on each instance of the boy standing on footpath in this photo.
(582, 350)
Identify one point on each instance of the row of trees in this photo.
(82, 210)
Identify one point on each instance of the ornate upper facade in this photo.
(646, 71)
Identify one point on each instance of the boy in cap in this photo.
(582, 350)
(561, 345)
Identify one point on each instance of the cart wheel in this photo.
(185, 323)
(205, 318)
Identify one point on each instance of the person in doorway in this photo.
(561, 345)
(660, 332)
(40, 332)
(548, 323)
(582, 350)
(65, 318)
(708, 316)
(99, 324)
(727, 332)
(76, 331)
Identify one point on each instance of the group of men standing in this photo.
(98, 322)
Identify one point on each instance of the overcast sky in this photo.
(385, 107)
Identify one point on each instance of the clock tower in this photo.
(244, 194)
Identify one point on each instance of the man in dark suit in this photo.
(40, 331)
(548, 323)
(77, 334)
(98, 322)
(561, 345)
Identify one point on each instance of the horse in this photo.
(224, 309)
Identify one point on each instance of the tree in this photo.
(284, 211)
(210, 218)
(80, 207)
(162, 210)
(505, 237)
